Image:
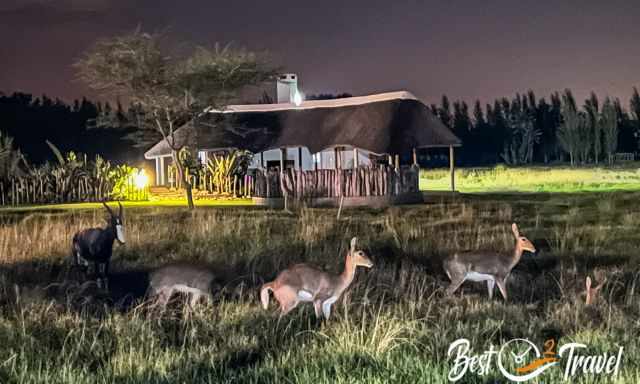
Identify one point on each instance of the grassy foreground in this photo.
(535, 179)
(393, 325)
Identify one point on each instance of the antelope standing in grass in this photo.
(194, 280)
(96, 245)
(592, 293)
(303, 283)
(492, 267)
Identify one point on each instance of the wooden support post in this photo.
(397, 162)
(415, 157)
(317, 158)
(300, 158)
(336, 158)
(157, 171)
(283, 158)
(452, 169)
(162, 178)
(355, 158)
(391, 160)
(261, 159)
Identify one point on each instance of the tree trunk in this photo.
(183, 177)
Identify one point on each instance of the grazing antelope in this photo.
(302, 282)
(194, 280)
(592, 293)
(96, 245)
(492, 267)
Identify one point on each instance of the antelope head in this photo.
(359, 257)
(522, 243)
(116, 222)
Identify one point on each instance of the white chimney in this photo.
(287, 88)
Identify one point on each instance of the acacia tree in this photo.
(169, 89)
(609, 126)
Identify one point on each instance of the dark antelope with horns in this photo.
(96, 245)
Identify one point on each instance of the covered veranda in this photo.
(324, 151)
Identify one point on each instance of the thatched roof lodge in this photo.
(309, 145)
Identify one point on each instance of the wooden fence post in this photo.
(452, 168)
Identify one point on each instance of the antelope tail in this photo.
(264, 294)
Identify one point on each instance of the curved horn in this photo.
(108, 209)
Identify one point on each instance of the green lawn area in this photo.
(561, 179)
(133, 204)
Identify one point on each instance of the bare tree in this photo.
(170, 89)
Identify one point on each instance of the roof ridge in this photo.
(310, 104)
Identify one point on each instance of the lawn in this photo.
(536, 179)
(130, 204)
(393, 325)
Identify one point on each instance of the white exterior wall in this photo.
(325, 158)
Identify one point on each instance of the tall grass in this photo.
(393, 325)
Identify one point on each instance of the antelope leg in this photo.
(490, 285)
(326, 306)
(455, 284)
(503, 288)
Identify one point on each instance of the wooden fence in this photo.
(360, 182)
(25, 190)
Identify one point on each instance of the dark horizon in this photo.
(466, 51)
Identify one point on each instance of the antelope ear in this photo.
(588, 283)
(514, 229)
(353, 243)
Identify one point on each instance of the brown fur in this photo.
(497, 265)
(302, 282)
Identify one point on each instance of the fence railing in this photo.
(359, 182)
(22, 191)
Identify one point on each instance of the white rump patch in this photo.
(186, 289)
(120, 233)
(304, 295)
(475, 276)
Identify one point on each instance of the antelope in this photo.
(304, 283)
(96, 245)
(194, 280)
(592, 293)
(492, 267)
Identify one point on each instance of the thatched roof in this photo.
(389, 123)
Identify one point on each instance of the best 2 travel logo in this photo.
(520, 360)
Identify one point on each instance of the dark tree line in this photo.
(31, 121)
(525, 129)
(520, 130)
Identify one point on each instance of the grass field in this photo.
(535, 179)
(393, 325)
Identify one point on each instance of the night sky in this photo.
(468, 50)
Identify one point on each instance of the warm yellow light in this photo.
(141, 180)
